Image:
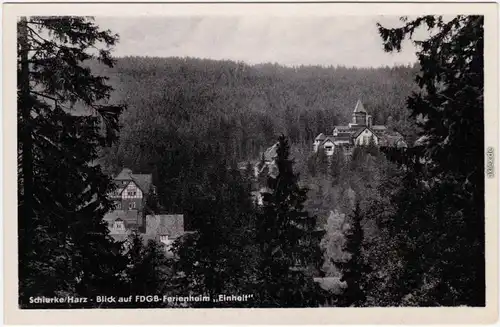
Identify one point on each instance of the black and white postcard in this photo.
(322, 158)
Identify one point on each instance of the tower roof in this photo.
(359, 107)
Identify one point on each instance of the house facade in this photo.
(130, 195)
(359, 132)
(131, 213)
(132, 190)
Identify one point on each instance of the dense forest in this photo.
(180, 111)
(243, 108)
(390, 227)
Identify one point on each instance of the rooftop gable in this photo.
(328, 138)
(361, 130)
(143, 181)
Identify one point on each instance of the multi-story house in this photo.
(359, 132)
(130, 195)
(131, 212)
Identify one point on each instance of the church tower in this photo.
(359, 116)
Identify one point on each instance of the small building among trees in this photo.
(359, 132)
(132, 213)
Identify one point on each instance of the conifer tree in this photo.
(333, 244)
(337, 165)
(217, 258)
(63, 243)
(148, 270)
(372, 148)
(249, 172)
(355, 269)
(444, 255)
(289, 241)
(263, 175)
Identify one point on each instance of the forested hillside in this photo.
(244, 107)
(404, 226)
(182, 110)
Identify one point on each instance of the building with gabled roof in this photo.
(129, 196)
(168, 225)
(164, 229)
(131, 213)
(143, 181)
(359, 132)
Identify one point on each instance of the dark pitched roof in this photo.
(171, 225)
(359, 107)
(144, 181)
(124, 175)
(328, 138)
(320, 137)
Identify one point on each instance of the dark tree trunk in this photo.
(24, 102)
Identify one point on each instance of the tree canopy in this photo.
(63, 243)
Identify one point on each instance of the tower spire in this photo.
(359, 107)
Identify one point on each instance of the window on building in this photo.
(163, 238)
(328, 148)
(119, 225)
(131, 193)
(131, 205)
(119, 206)
(366, 139)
